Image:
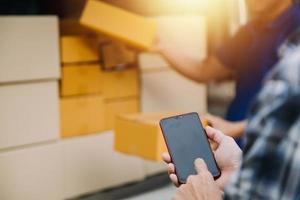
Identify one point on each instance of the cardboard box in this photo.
(90, 79)
(71, 27)
(82, 115)
(119, 84)
(117, 56)
(91, 165)
(152, 62)
(33, 173)
(140, 135)
(120, 106)
(29, 48)
(167, 91)
(117, 23)
(29, 113)
(79, 49)
(81, 79)
(153, 168)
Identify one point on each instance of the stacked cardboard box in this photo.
(29, 117)
(119, 24)
(32, 173)
(91, 165)
(139, 33)
(140, 134)
(81, 75)
(90, 96)
(158, 79)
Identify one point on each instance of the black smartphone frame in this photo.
(168, 146)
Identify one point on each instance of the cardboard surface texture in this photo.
(169, 91)
(29, 48)
(91, 79)
(82, 115)
(152, 62)
(117, 23)
(33, 173)
(140, 135)
(91, 164)
(29, 113)
(71, 27)
(79, 49)
(153, 168)
(120, 106)
(81, 79)
(118, 84)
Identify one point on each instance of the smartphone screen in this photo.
(186, 141)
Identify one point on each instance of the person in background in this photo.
(247, 57)
(270, 168)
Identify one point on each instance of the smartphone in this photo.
(186, 141)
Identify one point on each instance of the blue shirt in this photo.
(253, 52)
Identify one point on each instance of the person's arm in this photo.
(232, 129)
(221, 64)
(203, 71)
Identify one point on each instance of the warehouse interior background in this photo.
(82, 91)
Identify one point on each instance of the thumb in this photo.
(200, 165)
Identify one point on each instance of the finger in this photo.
(213, 145)
(166, 157)
(214, 134)
(200, 165)
(171, 168)
(174, 179)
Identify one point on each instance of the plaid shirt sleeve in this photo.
(271, 162)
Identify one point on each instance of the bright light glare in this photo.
(159, 7)
(187, 4)
(202, 6)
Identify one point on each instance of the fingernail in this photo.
(199, 161)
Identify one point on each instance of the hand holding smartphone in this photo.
(186, 141)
